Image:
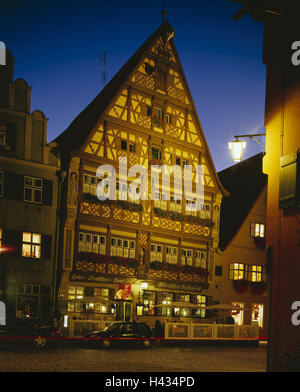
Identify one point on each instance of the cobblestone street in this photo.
(163, 358)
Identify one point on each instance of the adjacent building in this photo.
(138, 259)
(28, 203)
(281, 164)
(241, 264)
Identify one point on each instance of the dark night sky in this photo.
(58, 45)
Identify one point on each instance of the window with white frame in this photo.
(175, 204)
(187, 257)
(257, 230)
(156, 252)
(160, 200)
(155, 153)
(90, 184)
(94, 243)
(255, 273)
(237, 271)
(204, 210)
(122, 247)
(1, 183)
(200, 260)
(171, 254)
(33, 189)
(191, 208)
(31, 245)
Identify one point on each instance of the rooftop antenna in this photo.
(103, 60)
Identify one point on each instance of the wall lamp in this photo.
(237, 146)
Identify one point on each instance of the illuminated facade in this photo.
(129, 260)
(241, 265)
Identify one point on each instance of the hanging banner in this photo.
(125, 287)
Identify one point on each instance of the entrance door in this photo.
(123, 310)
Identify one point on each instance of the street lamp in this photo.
(237, 146)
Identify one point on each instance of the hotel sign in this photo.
(82, 277)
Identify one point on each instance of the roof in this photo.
(245, 181)
(78, 131)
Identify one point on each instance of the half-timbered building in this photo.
(138, 259)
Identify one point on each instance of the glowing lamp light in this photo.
(144, 285)
(236, 148)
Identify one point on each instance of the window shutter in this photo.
(111, 294)
(289, 186)
(13, 186)
(13, 240)
(47, 192)
(46, 246)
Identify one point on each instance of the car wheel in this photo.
(106, 343)
(40, 342)
(146, 343)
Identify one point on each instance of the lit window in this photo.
(257, 230)
(164, 298)
(94, 243)
(156, 252)
(160, 200)
(204, 210)
(187, 257)
(33, 189)
(171, 254)
(31, 245)
(201, 301)
(201, 259)
(191, 208)
(122, 247)
(75, 293)
(90, 184)
(257, 313)
(237, 271)
(175, 204)
(255, 273)
(1, 183)
(146, 303)
(238, 314)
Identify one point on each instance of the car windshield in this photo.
(113, 327)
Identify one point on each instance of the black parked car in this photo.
(27, 330)
(122, 332)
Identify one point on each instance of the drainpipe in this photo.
(61, 176)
